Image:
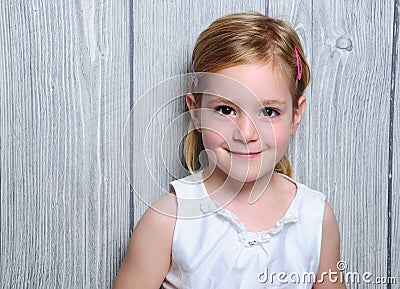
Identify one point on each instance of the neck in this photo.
(224, 188)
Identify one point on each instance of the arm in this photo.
(148, 256)
(330, 253)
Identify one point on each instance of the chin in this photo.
(247, 175)
(244, 170)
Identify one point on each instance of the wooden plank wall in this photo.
(65, 95)
(71, 71)
(394, 263)
(346, 147)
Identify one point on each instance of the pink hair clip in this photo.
(299, 68)
(195, 77)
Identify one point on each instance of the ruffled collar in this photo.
(248, 238)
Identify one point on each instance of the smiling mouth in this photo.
(246, 154)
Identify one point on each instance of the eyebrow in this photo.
(214, 98)
(272, 101)
(266, 102)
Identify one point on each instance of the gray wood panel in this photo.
(395, 210)
(68, 76)
(342, 146)
(64, 100)
(164, 36)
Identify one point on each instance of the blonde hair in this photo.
(245, 38)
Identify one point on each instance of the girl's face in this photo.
(246, 119)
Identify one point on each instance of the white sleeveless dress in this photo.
(215, 251)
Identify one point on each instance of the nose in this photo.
(246, 130)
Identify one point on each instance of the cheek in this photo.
(282, 137)
(211, 139)
(215, 132)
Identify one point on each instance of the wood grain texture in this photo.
(164, 36)
(395, 210)
(65, 95)
(64, 98)
(342, 146)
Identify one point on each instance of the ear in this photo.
(298, 114)
(194, 110)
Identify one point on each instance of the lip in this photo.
(248, 155)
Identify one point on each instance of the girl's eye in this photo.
(270, 112)
(225, 110)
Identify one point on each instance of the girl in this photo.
(249, 75)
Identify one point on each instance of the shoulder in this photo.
(330, 227)
(304, 192)
(188, 187)
(317, 201)
(311, 203)
(156, 226)
(150, 246)
(310, 194)
(161, 215)
(330, 251)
